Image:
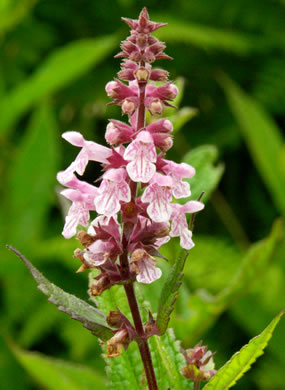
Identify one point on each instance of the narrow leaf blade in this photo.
(60, 68)
(56, 374)
(169, 292)
(91, 318)
(263, 138)
(241, 361)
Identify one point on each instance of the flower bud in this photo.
(167, 91)
(155, 106)
(128, 107)
(118, 132)
(160, 126)
(128, 69)
(142, 74)
(119, 91)
(158, 75)
(200, 363)
(163, 141)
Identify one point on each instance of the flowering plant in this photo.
(136, 215)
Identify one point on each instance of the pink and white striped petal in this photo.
(142, 155)
(144, 266)
(112, 190)
(180, 189)
(158, 195)
(179, 226)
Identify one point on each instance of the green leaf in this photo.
(91, 318)
(170, 361)
(169, 292)
(206, 37)
(31, 178)
(207, 174)
(60, 68)
(13, 12)
(56, 374)
(202, 308)
(241, 361)
(263, 138)
(126, 371)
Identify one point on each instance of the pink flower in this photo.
(158, 195)
(144, 266)
(112, 190)
(179, 226)
(142, 155)
(167, 91)
(118, 132)
(177, 172)
(90, 151)
(119, 91)
(98, 253)
(82, 203)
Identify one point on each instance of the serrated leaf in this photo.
(56, 374)
(126, 371)
(263, 138)
(61, 67)
(167, 351)
(32, 176)
(169, 292)
(241, 361)
(207, 174)
(91, 318)
(206, 37)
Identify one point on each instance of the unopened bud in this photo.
(163, 141)
(142, 74)
(128, 107)
(111, 89)
(156, 107)
(159, 75)
(115, 344)
(114, 319)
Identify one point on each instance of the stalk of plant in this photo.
(134, 201)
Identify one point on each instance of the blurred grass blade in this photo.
(206, 37)
(241, 361)
(32, 177)
(11, 13)
(207, 174)
(263, 138)
(55, 374)
(169, 292)
(91, 318)
(60, 68)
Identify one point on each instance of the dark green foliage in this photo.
(55, 59)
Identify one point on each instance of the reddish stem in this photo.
(129, 286)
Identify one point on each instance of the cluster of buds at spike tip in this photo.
(130, 223)
(200, 363)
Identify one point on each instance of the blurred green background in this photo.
(229, 60)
